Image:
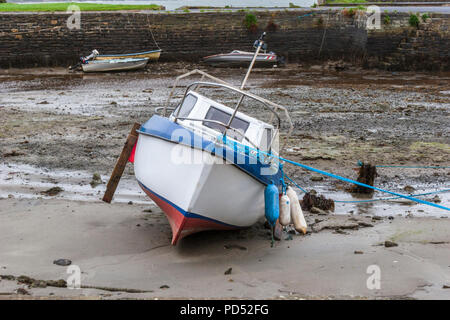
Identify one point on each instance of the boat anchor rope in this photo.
(335, 176)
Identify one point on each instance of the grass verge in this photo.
(51, 7)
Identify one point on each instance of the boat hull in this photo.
(151, 55)
(206, 194)
(239, 59)
(114, 65)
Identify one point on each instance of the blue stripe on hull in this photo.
(163, 128)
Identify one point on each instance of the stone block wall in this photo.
(43, 39)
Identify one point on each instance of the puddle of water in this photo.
(25, 181)
(431, 105)
(392, 207)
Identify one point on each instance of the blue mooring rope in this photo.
(283, 184)
(335, 176)
(295, 183)
(392, 198)
(371, 200)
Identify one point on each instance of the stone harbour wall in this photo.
(44, 39)
(399, 46)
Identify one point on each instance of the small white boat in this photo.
(239, 58)
(206, 164)
(152, 55)
(114, 64)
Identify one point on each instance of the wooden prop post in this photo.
(120, 164)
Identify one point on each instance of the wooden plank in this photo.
(121, 163)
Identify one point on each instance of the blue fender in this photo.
(272, 203)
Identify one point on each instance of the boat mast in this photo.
(260, 44)
(258, 48)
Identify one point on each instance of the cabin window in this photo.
(267, 139)
(222, 116)
(188, 104)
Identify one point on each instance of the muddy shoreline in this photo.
(53, 119)
(58, 129)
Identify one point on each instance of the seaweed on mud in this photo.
(311, 200)
(52, 191)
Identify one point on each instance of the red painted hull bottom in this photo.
(181, 225)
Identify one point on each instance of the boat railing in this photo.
(159, 109)
(271, 106)
(185, 75)
(266, 103)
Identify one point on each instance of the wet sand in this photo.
(121, 247)
(58, 129)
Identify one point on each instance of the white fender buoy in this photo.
(296, 211)
(285, 210)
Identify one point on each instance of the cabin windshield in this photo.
(204, 114)
(188, 104)
(223, 116)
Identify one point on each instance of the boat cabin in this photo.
(208, 117)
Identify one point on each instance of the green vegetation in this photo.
(414, 20)
(186, 10)
(251, 22)
(320, 21)
(425, 16)
(349, 12)
(49, 7)
(387, 19)
(291, 5)
(314, 5)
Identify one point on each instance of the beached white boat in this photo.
(114, 65)
(152, 55)
(206, 164)
(239, 58)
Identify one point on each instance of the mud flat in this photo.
(61, 129)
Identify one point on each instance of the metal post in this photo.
(260, 44)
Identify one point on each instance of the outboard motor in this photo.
(84, 60)
(89, 57)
